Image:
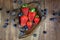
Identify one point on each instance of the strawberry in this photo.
(25, 9)
(24, 20)
(32, 14)
(36, 19)
(29, 24)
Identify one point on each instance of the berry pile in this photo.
(28, 17)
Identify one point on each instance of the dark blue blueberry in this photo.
(45, 9)
(14, 1)
(34, 35)
(14, 25)
(42, 11)
(20, 14)
(53, 19)
(44, 32)
(19, 1)
(54, 13)
(22, 29)
(5, 25)
(0, 8)
(21, 33)
(26, 28)
(7, 11)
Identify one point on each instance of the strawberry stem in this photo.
(37, 16)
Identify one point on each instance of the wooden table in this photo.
(52, 28)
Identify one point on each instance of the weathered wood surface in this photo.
(52, 28)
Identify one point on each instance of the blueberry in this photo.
(42, 11)
(34, 35)
(15, 25)
(14, 1)
(19, 2)
(7, 11)
(22, 33)
(44, 32)
(22, 29)
(26, 28)
(0, 8)
(20, 14)
(54, 13)
(53, 19)
(5, 25)
(45, 9)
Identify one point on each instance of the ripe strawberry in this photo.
(32, 14)
(25, 9)
(24, 20)
(29, 24)
(36, 19)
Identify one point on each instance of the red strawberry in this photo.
(25, 9)
(29, 24)
(37, 19)
(24, 20)
(32, 14)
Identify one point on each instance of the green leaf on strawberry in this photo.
(37, 16)
(25, 5)
(32, 9)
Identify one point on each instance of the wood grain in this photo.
(52, 28)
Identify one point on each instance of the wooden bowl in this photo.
(36, 5)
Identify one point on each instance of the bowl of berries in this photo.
(29, 17)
